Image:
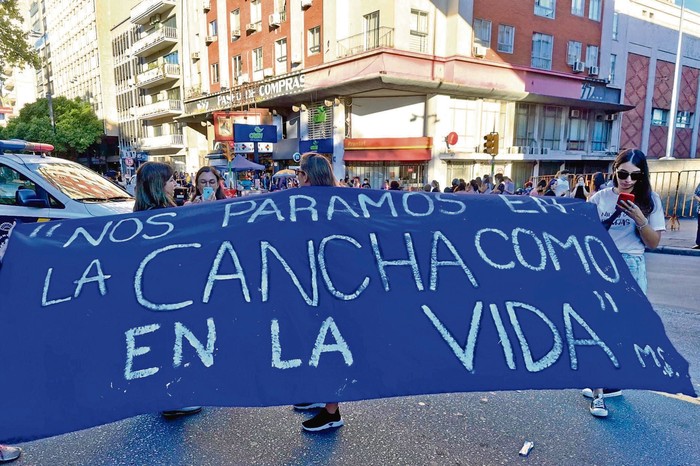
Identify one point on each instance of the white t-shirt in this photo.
(623, 230)
(561, 188)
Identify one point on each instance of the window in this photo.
(545, 8)
(524, 125)
(235, 21)
(482, 32)
(11, 180)
(506, 38)
(601, 135)
(591, 56)
(255, 11)
(684, 119)
(171, 58)
(419, 31)
(372, 30)
(213, 28)
(578, 129)
(615, 26)
(542, 51)
(214, 73)
(578, 7)
(280, 8)
(573, 52)
(281, 50)
(237, 66)
(258, 59)
(314, 40)
(550, 126)
(594, 10)
(659, 117)
(613, 63)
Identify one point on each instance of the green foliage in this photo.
(77, 126)
(15, 50)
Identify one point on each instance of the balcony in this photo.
(144, 12)
(160, 109)
(168, 141)
(360, 43)
(156, 41)
(159, 75)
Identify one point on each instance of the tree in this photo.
(77, 126)
(14, 47)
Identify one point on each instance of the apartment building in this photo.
(644, 39)
(378, 85)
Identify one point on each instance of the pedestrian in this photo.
(549, 190)
(451, 188)
(365, 184)
(7, 453)
(394, 186)
(561, 187)
(597, 183)
(697, 200)
(486, 185)
(508, 185)
(207, 186)
(580, 191)
(540, 188)
(500, 185)
(385, 186)
(427, 188)
(461, 188)
(435, 186)
(633, 226)
(472, 187)
(316, 170)
(155, 188)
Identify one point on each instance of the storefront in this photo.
(378, 159)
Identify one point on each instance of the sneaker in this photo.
(8, 453)
(607, 392)
(182, 411)
(307, 406)
(697, 246)
(598, 408)
(322, 421)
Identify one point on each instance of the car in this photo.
(35, 187)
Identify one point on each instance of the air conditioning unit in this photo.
(195, 55)
(268, 72)
(242, 79)
(578, 66)
(611, 117)
(479, 51)
(235, 34)
(130, 81)
(593, 71)
(306, 3)
(209, 39)
(275, 20)
(154, 19)
(296, 57)
(575, 113)
(206, 5)
(251, 27)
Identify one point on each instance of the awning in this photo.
(388, 155)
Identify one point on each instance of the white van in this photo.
(38, 188)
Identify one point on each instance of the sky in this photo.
(690, 4)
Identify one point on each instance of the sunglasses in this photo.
(636, 176)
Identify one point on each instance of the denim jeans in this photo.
(638, 266)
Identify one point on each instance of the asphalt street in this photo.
(459, 429)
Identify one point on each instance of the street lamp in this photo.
(49, 99)
(674, 93)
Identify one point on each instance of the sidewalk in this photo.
(679, 241)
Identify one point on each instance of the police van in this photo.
(37, 188)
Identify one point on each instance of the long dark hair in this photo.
(642, 188)
(318, 169)
(151, 178)
(206, 169)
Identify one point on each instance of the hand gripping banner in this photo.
(317, 294)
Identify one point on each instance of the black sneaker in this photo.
(697, 246)
(182, 411)
(598, 408)
(307, 406)
(607, 392)
(322, 421)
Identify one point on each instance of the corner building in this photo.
(378, 85)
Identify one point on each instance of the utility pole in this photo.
(674, 93)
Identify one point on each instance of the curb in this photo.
(675, 251)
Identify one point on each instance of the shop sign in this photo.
(322, 146)
(254, 133)
(247, 94)
(388, 143)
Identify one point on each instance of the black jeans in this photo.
(697, 235)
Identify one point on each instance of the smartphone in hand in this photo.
(207, 193)
(624, 197)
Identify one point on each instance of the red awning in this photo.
(387, 155)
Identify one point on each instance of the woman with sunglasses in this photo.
(633, 226)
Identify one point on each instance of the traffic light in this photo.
(491, 143)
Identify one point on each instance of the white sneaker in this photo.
(607, 392)
(8, 453)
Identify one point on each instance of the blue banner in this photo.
(254, 133)
(322, 146)
(317, 294)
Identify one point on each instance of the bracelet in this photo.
(646, 222)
